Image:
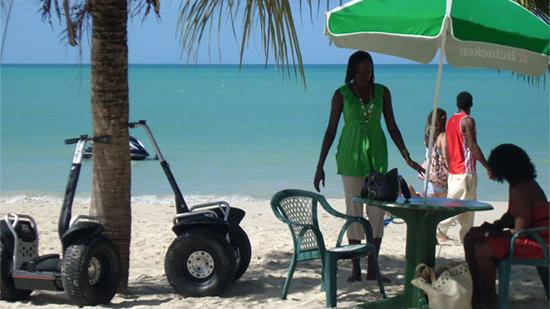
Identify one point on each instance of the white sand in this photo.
(260, 287)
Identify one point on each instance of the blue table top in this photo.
(431, 203)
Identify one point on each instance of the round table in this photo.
(422, 216)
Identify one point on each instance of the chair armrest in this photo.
(367, 228)
(326, 206)
(534, 233)
(349, 220)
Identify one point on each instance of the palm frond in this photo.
(274, 20)
(76, 15)
(143, 7)
(6, 13)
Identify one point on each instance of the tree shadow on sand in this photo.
(265, 277)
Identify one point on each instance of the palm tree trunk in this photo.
(110, 104)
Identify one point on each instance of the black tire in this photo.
(8, 292)
(200, 263)
(90, 271)
(239, 239)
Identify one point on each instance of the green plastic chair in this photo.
(504, 265)
(298, 209)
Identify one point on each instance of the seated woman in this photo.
(528, 207)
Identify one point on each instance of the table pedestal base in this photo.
(421, 227)
(422, 216)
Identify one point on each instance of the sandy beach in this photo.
(271, 249)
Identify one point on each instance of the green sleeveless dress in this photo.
(362, 146)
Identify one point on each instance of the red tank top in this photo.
(459, 156)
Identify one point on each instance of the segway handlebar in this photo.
(105, 139)
(75, 140)
(143, 124)
(82, 140)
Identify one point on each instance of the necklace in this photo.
(366, 108)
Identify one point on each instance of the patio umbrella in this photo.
(497, 34)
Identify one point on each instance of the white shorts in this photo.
(464, 187)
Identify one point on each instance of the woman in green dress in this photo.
(362, 146)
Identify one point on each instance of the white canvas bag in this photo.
(451, 290)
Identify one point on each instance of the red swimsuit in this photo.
(526, 248)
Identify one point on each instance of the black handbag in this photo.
(381, 187)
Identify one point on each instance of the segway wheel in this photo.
(8, 292)
(200, 263)
(90, 271)
(239, 240)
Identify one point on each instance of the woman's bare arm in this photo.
(520, 208)
(442, 144)
(337, 105)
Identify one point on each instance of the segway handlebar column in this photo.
(181, 206)
(72, 182)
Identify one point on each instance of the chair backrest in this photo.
(298, 208)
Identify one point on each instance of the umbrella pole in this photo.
(436, 103)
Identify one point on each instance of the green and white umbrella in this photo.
(497, 34)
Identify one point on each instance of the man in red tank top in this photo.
(462, 153)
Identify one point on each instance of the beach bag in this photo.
(438, 169)
(450, 287)
(381, 187)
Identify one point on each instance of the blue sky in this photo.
(30, 40)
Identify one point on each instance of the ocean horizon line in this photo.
(213, 65)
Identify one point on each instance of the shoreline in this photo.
(55, 199)
(260, 286)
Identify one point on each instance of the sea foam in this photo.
(52, 200)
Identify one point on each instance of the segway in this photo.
(211, 249)
(90, 268)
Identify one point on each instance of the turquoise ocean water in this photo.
(246, 133)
